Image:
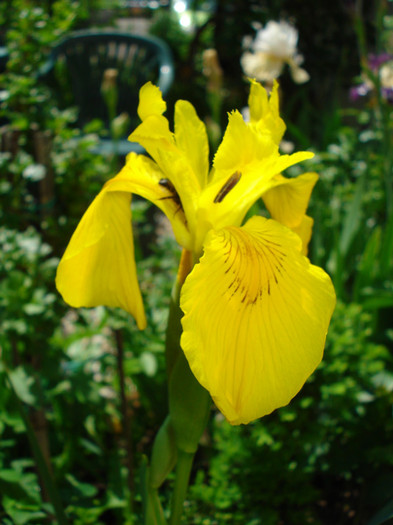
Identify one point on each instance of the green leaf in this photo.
(353, 218)
(367, 267)
(11, 476)
(91, 447)
(149, 363)
(22, 384)
(164, 455)
(22, 513)
(383, 515)
(379, 299)
(85, 489)
(386, 256)
(34, 309)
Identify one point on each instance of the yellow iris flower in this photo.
(256, 312)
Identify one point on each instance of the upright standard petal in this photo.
(191, 139)
(252, 153)
(150, 101)
(155, 136)
(264, 111)
(256, 314)
(241, 146)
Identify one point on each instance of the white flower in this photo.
(386, 75)
(278, 38)
(273, 47)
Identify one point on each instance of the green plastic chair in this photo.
(82, 59)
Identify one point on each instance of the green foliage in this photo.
(65, 364)
(31, 31)
(25, 270)
(352, 235)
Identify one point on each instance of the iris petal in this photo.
(154, 135)
(241, 146)
(98, 266)
(191, 138)
(255, 180)
(143, 177)
(150, 101)
(288, 199)
(304, 230)
(264, 111)
(256, 313)
(287, 203)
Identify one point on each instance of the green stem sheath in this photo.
(189, 408)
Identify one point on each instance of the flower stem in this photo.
(183, 470)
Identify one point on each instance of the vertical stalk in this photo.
(183, 470)
(189, 407)
(384, 117)
(360, 32)
(174, 328)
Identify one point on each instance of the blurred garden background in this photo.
(83, 391)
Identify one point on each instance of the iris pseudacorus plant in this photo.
(250, 312)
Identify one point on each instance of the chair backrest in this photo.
(84, 57)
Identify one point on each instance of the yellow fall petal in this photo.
(288, 199)
(150, 101)
(142, 176)
(256, 314)
(98, 266)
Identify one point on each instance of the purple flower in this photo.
(376, 61)
(381, 65)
